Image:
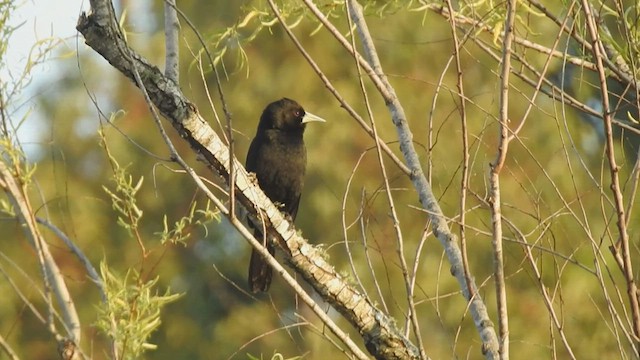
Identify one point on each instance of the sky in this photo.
(36, 21)
(40, 20)
(43, 19)
(49, 22)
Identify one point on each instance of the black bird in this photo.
(278, 157)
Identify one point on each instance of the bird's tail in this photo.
(260, 272)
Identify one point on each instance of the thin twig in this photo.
(425, 194)
(464, 181)
(91, 271)
(346, 227)
(225, 108)
(7, 349)
(495, 201)
(78, 353)
(51, 273)
(367, 255)
(548, 302)
(617, 72)
(350, 110)
(354, 13)
(557, 93)
(622, 244)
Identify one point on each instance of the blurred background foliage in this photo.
(554, 168)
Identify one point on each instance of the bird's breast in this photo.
(280, 168)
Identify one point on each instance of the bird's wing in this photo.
(251, 163)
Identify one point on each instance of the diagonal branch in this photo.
(378, 330)
(622, 247)
(440, 227)
(51, 272)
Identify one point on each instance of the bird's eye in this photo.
(297, 113)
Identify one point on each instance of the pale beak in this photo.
(309, 117)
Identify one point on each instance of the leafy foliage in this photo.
(132, 311)
(123, 197)
(179, 234)
(13, 157)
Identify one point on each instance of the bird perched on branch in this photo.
(278, 158)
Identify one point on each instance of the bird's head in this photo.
(286, 115)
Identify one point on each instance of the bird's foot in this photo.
(288, 218)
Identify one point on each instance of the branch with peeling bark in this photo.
(378, 330)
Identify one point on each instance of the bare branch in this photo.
(360, 24)
(7, 349)
(172, 48)
(464, 181)
(494, 183)
(427, 199)
(622, 244)
(51, 273)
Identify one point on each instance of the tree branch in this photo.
(171, 45)
(51, 272)
(494, 183)
(427, 199)
(378, 330)
(622, 245)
